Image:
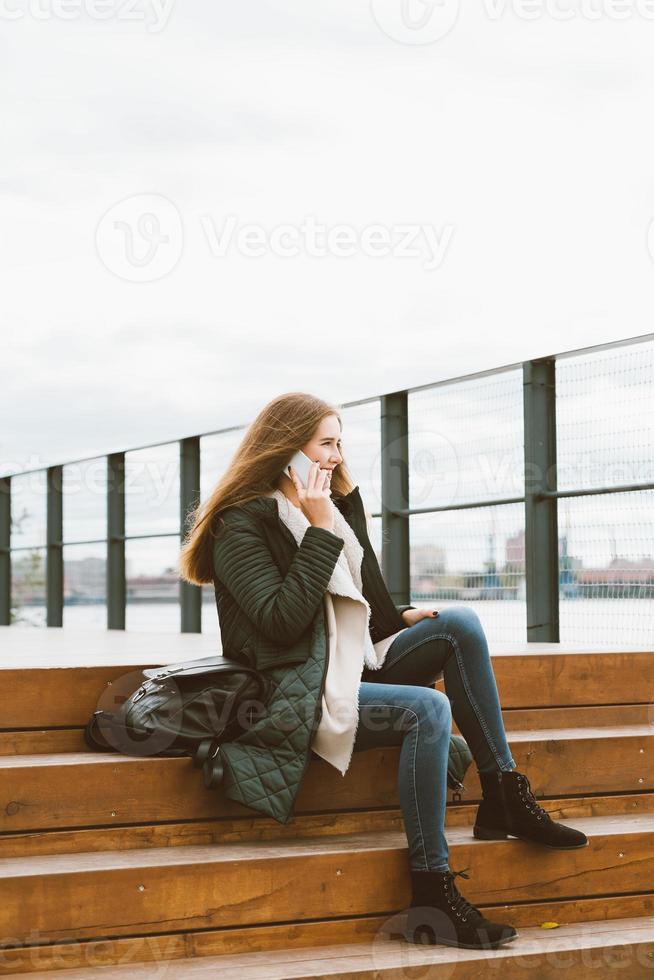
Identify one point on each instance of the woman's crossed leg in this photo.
(398, 706)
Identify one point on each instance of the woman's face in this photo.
(325, 446)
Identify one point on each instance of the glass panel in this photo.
(475, 557)
(216, 453)
(152, 490)
(85, 586)
(605, 418)
(85, 500)
(153, 586)
(466, 441)
(28, 606)
(362, 450)
(606, 547)
(28, 509)
(375, 535)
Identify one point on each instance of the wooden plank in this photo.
(246, 828)
(66, 646)
(51, 740)
(592, 716)
(48, 697)
(86, 789)
(555, 680)
(527, 680)
(582, 952)
(166, 889)
(183, 949)
(42, 741)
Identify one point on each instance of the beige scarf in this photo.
(351, 648)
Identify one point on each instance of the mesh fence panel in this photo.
(606, 568)
(605, 418)
(466, 441)
(465, 446)
(605, 438)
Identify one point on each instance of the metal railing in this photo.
(388, 432)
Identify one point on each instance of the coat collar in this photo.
(267, 508)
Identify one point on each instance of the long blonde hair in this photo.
(282, 427)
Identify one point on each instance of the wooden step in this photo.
(36, 741)
(184, 948)
(546, 677)
(157, 890)
(92, 789)
(588, 716)
(571, 952)
(247, 827)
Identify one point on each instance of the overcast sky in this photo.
(206, 204)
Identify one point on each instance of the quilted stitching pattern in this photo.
(282, 615)
(282, 608)
(265, 765)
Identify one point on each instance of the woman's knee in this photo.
(459, 618)
(435, 707)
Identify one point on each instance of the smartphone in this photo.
(302, 466)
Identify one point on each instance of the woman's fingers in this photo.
(317, 479)
(311, 477)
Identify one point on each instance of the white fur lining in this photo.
(350, 645)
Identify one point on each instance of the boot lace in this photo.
(460, 905)
(529, 799)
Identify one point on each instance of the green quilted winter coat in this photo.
(269, 595)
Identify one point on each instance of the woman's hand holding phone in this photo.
(315, 498)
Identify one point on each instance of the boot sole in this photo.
(410, 938)
(483, 833)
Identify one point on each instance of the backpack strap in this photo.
(94, 737)
(212, 767)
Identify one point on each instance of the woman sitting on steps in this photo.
(296, 558)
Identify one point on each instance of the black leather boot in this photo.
(440, 914)
(509, 807)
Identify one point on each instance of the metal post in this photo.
(54, 554)
(5, 554)
(116, 590)
(189, 495)
(395, 495)
(541, 522)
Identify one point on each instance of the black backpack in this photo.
(181, 709)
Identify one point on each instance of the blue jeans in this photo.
(398, 707)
